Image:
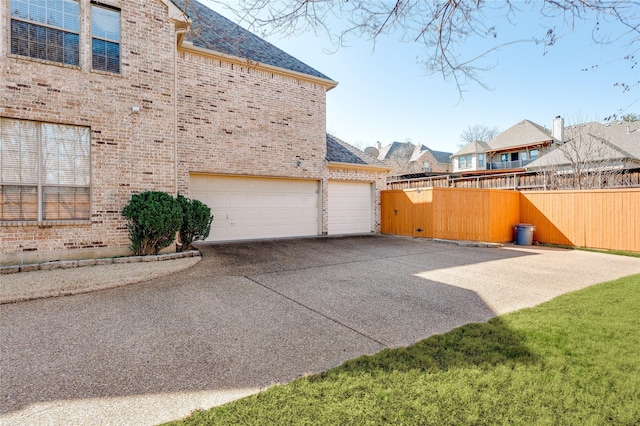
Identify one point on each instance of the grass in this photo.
(572, 361)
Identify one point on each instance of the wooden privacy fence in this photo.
(603, 219)
(451, 213)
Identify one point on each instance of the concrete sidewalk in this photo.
(253, 314)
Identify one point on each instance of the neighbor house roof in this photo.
(397, 151)
(338, 151)
(407, 152)
(525, 133)
(473, 147)
(593, 141)
(212, 31)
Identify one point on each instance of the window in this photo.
(533, 154)
(514, 156)
(105, 33)
(524, 156)
(46, 30)
(464, 162)
(481, 161)
(504, 158)
(44, 171)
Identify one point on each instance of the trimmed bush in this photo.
(154, 218)
(196, 222)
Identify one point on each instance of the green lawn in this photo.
(572, 361)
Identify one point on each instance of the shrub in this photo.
(154, 218)
(196, 222)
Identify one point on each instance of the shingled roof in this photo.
(525, 133)
(338, 151)
(619, 141)
(212, 31)
(405, 152)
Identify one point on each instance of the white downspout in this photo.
(175, 107)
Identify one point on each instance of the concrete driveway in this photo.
(253, 314)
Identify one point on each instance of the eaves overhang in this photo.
(179, 18)
(371, 167)
(189, 47)
(516, 147)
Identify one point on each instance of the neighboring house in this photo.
(594, 147)
(512, 149)
(471, 157)
(406, 158)
(104, 100)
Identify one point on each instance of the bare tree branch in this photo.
(444, 28)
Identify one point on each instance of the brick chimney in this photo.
(558, 129)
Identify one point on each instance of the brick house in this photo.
(92, 112)
(406, 158)
(510, 150)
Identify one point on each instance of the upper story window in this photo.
(464, 162)
(46, 30)
(533, 154)
(105, 41)
(44, 171)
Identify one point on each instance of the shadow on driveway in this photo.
(247, 316)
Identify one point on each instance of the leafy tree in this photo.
(196, 222)
(154, 218)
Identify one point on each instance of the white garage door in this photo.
(250, 208)
(350, 208)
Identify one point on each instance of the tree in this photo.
(587, 160)
(478, 132)
(446, 28)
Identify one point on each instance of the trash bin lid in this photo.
(525, 227)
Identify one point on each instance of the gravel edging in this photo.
(468, 243)
(65, 278)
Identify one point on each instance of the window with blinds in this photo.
(44, 171)
(105, 33)
(46, 30)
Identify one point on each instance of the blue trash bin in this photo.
(524, 234)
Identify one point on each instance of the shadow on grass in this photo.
(478, 344)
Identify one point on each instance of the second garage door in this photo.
(350, 207)
(253, 208)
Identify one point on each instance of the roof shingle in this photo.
(210, 30)
(341, 152)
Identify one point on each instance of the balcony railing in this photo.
(508, 164)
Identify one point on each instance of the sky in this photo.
(384, 94)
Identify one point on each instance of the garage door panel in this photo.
(350, 207)
(251, 208)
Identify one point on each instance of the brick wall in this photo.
(238, 120)
(130, 152)
(231, 118)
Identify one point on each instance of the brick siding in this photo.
(231, 118)
(129, 152)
